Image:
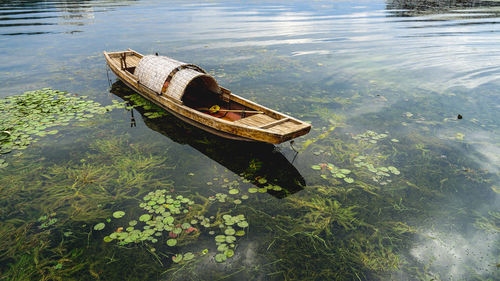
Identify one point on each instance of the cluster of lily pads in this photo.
(372, 137)
(225, 242)
(233, 189)
(335, 172)
(154, 110)
(162, 212)
(47, 220)
(379, 172)
(34, 113)
(166, 213)
(264, 189)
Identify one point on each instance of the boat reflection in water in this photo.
(250, 160)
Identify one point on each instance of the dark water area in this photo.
(390, 184)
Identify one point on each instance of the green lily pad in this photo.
(220, 238)
(188, 256)
(243, 224)
(229, 253)
(234, 191)
(171, 242)
(349, 180)
(316, 167)
(145, 217)
(230, 239)
(107, 239)
(177, 258)
(222, 247)
(118, 214)
(99, 226)
(252, 190)
(220, 257)
(240, 233)
(229, 231)
(132, 222)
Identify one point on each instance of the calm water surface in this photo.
(426, 209)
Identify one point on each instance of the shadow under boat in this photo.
(252, 161)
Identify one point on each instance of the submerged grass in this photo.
(334, 229)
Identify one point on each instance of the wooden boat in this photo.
(189, 93)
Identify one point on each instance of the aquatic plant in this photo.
(335, 172)
(370, 136)
(34, 114)
(164, 213)
(154, 111)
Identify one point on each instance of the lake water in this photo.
(390, 184)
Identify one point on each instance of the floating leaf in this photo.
(229, 231)
(188, 256)
(220, 257)
(220, 238)
(107, 239)
(99, 226)
(132, 222)
(252, 190)
(234, 191)
(118, 214)
(229, 253)
(349, 180)
(240, 233)
(243, 224)
(230, 239)
(145, 217)
(316, 167)
(177, 258)
(171, 242)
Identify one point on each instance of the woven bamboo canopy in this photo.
(166, 76)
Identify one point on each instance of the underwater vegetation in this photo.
(127, 206)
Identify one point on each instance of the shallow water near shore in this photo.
(390, 184)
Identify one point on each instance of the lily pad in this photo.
(177, 258)
(220, 257)
(171, 242)
(145, 217)
(229, 231)
(243, 224)
(118, 214)
(229, 253)
(188, 256)
(99, 226)
(230, 239)
(349, 180)
(220, 238)
(234, 191)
